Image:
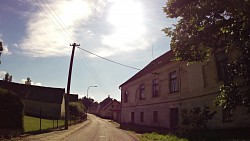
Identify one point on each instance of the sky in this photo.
(37, 34)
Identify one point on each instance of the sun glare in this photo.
(126, 16)
(71, 11)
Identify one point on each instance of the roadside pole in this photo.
(68, 86)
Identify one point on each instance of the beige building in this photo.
(111, 111)
(156, 95)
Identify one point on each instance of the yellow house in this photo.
(156, 95)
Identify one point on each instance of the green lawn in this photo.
(33, 124)
(159, 137)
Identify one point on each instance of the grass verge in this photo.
(32, 124)
(159, 137)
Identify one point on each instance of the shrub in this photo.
(76, 108)
(11, 110)
(195, 119)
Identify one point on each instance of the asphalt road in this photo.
(100, 130)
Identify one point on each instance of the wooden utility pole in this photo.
(68, 86)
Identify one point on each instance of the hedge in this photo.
(11, 111)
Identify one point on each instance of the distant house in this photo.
(39, 101)
(102, 104)
(156, 96)
(109, 108)
(111, 111)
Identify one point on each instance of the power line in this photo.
(45, 13)
(93, 72)
(108, 59)
(62, 25)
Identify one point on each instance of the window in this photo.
(142, 91)
(155, 88)
(197, 110)
(227, 115)
(125, 96)
(142, 117)
(155, 116)
(173, 87)
(221, 61)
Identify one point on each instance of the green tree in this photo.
(203, 27)
(7, 77)
(1, 49)
(87, 102)
(76, 108)
(28, 81)
(195, 119)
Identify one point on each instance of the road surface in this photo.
(100, 130)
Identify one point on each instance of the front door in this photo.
(174, 118)
(132, 117)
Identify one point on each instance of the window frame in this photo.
(221, 59)
(142, 91)
(125, 96)
(155, 87)
(173, 82)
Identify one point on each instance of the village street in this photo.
(94, 129)
(100, 130)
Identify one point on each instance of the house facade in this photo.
(158, 94)
(111, 111)
(39, 101)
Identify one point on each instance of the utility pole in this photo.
(68, 86)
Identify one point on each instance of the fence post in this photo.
(40, 118)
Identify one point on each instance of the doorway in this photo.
(174, 118)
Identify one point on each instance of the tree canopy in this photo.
(203, 27)
(1, 49)
(28, 81)
(8, 77)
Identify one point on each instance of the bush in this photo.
(11, 111)
(195, 119)
(76, 108)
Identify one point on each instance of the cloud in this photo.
(104, 27)
(2, 74)
(5, 47)
(130, 33)
(32, 83)
(50, 31)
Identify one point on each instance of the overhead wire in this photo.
(60, 23)
(93, 73)
(85, 60)
(108, 59)
(69, 38)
